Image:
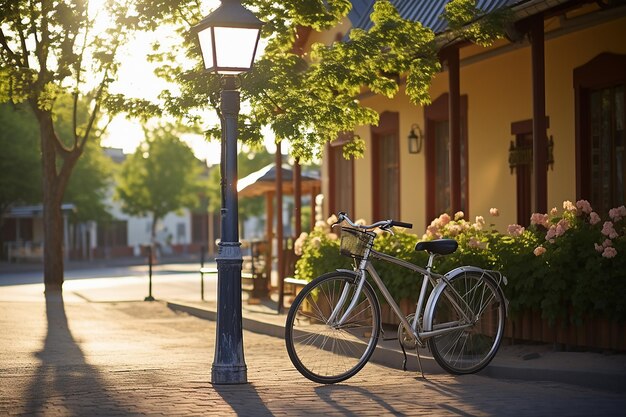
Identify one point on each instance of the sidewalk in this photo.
(72, 357)
(524, 362)
(177, 285)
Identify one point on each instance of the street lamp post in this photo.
(228, 38)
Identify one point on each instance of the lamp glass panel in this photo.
(206, 45)
(235, 48)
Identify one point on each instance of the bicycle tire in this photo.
(468, 350)
(324, 353)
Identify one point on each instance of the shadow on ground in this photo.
(64, 378)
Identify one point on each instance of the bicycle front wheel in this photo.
(322, 350)
(473, 308)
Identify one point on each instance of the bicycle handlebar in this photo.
(383, 224)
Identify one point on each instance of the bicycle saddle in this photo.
(439, 246)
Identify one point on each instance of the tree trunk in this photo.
(56, 172)
(52, 217)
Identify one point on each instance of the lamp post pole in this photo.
(228, 364)
(228, 39)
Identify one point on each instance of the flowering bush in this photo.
(567, 264)
(586, 274)
(319, 252)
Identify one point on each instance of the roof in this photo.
(35, 211)
(264, 180)
(427, 12)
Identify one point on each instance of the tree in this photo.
(310, 100)
(20, 165)
(50, 49)
(159, 178)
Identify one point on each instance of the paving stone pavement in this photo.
(139, 358)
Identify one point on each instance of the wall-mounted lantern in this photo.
(416, 139)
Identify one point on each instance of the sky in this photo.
(136, 78)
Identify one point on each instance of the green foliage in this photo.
(568, 265)
(160, 177)
(248, 161)
(89, 184)
(467, 21)
(310, 99)
(319, 253)
(20, 162)
(20, 181)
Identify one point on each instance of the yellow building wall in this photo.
(499, 90)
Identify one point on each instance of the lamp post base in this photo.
(229, 374)
(229, 366)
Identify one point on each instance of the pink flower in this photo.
(609, 252)
(515, 230)
(594, 218)
(539, 250)
(551, 234)
(494, 212)
(432, 231)
(299, 243)
(599, 248)
(584, 206)
(459, 215)
(568, 206)
(455, 229)
(561, 227)
(616, 214)
(444, 219)
(607, 243)
(608, 230)
(540, 219)
(554, 211)
(473, 242)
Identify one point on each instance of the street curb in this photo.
(393, 358)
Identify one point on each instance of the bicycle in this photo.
(333, 325)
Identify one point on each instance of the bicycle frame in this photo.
(428, 277)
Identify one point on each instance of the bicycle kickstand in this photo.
(404, 360)
(419, 362)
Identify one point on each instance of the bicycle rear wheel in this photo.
(325, 352)
(467, 349)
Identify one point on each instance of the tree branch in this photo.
(5, 45)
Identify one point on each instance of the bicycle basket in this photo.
(354, 242)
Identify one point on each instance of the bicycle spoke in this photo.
(469, 349)
(323, 351)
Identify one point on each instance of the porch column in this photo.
(279, 225)
(269, 232)
(540, 144)
(297, 197)
(454, 108)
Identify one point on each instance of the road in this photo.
(179, 281)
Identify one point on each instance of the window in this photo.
(341, 180)
(607, 148)
(442, 167)
(386, 167)
(438, 190)
(600, 114)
